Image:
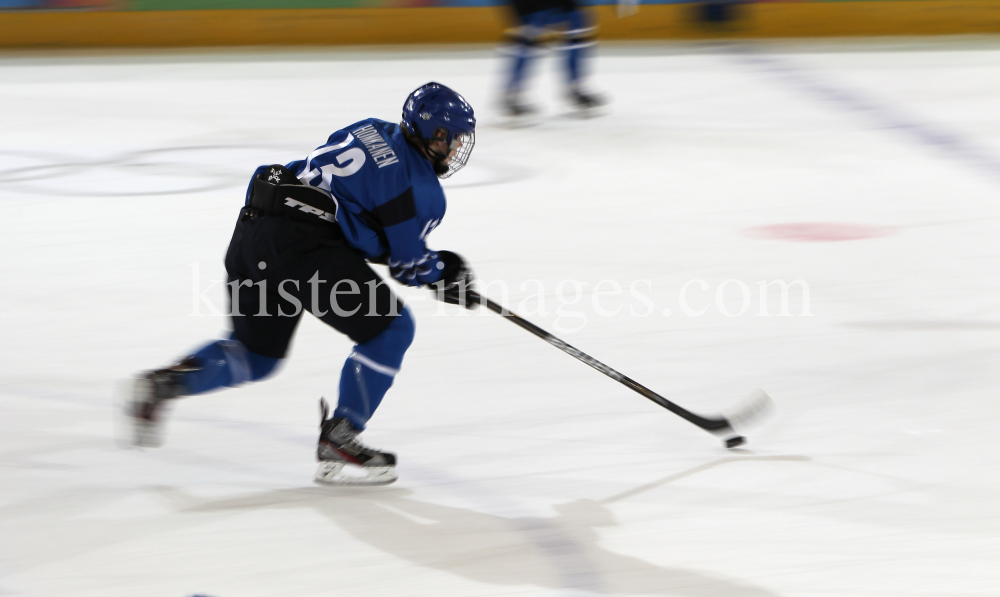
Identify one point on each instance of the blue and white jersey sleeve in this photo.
(410, 261)
(407, 220)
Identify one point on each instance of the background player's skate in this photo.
(586, 104)
(517, 111)
(343, 460)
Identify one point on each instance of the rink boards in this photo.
(361, 26)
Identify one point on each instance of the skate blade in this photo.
(588, 113)
(335, 473)
(521, 121)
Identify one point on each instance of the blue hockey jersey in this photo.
(389, 197)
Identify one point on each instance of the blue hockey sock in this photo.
(371, 368)
(574, 52)
(226, 363)
(579, 37)
(522, 54)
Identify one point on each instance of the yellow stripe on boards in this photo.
(364, 26)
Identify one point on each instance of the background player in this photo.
(538, 21)
(302, 243)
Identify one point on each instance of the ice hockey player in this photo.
(303, 242)
(537, 21)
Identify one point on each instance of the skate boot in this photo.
(145, 405)
(343, 460)
(515, 108)
(586, 104)
(518, 113)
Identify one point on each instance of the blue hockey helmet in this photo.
(435, 117)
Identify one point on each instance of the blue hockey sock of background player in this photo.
(370, 370)
(226, 363)
(573, 65)
(578, 36)
(525, 45)
(522, 54)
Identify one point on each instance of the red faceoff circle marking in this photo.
(819, 231)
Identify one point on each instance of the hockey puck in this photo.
(736, 440)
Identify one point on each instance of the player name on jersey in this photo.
(376, 145)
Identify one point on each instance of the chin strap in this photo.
(435, 158)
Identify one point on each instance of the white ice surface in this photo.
(522, 471)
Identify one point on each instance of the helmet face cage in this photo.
(432, 107)
(460, 148)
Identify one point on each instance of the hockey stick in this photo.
(746, 413)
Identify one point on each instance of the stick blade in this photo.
(751, 411)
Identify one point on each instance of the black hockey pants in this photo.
(279, 268)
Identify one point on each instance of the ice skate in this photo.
(586, 105)
(343, 460)
(518, 113)
(144, 405)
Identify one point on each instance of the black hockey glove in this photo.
(454, 286)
